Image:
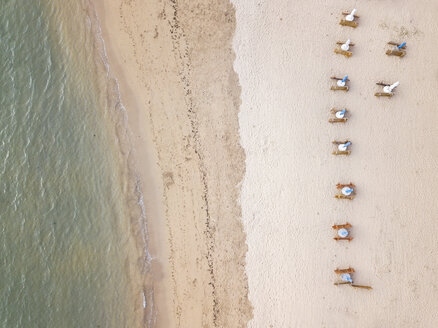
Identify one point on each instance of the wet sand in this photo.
(174, 64)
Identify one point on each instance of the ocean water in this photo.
(66, 249)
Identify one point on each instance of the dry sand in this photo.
(284, 60)
(174, 64)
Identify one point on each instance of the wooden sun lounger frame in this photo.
(396, 44)
(338, 120)
(352, 285)
(343, 238)
(341, 152)
(340, 185)
(339, 51)
(341, 196)
(337, 88)
(341, 226)
(383, 94)
(341, 271)
(342, 283)
(335, 142)
(361, 286)
(352, 24)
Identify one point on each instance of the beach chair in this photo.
(342, 283)
(338, 120)
(343, 48)
(341, 271)
(397, 49)
(339, 196)
(387, 89)
(343, 238)
(341, 83)
(361, 286)
(352, 285)
(349, 19)
(341, 152)
(340, 185)
(339, 115)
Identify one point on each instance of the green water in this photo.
(63, 220)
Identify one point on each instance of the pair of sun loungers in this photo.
(342, 85)
(397, 49)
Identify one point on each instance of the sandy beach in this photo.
(174, 64)
(284, 60)
(228, 104)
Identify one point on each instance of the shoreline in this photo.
(144, 163)
(187, 152)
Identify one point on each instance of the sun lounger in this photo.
(383, 94)
(397, 44)
(341, 271)
(335, 142)
(340, 185)
(338, 120)
(343, 152)
(344, 22)
(335, 110)
(349, 19)
(346, 13)
(342, 283)
(339, 78)
(341, 118)
(352, 285)
(341, 226)
(343, 52)
(340, 196)
(352, 44)
(343, 238)
(336, 88)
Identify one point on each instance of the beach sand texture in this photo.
(174, 64)
(284, 60)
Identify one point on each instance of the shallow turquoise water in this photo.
(63, 230)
